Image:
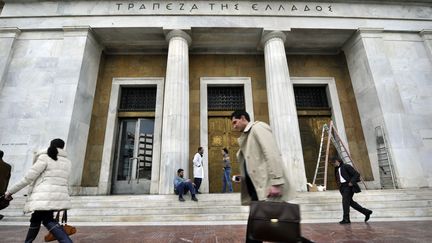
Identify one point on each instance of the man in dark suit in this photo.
(347, 178)
(5, 173)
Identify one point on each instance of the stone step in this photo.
(223, 208)
(305, 215)
(196, 209)
(209, 200)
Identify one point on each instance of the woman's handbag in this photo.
(70, 230)
(4, 203)
(274, 221)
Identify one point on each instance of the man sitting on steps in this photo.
(182, 186)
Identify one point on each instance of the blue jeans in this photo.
(184, 187)
(227, 179)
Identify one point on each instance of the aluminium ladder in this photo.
(387, 178)
(330, 134)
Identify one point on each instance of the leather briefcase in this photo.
(274, 221)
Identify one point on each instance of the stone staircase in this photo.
(217, 209)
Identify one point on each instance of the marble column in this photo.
(282, 107)
(7, 40)
(72, 101)
(175, 124)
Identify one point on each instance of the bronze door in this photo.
(220, 136)
(311, 123)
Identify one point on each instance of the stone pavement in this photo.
(401, 231)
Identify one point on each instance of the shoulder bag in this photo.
(70, 230)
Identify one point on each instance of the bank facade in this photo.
(135, 87)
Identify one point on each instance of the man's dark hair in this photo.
(179, 170)
(335, 158)
(1, 154)
(199, 148)
(239, 113)
(225, 150)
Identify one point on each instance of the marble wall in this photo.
(27, 100)
(391, 81)
(48, 93)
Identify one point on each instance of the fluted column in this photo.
(282, 108)
(175, 125)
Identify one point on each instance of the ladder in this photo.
(320, 176)
(330, 134)
(387, 177)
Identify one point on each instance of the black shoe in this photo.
(198, 192)
(305, 240)
(367, 215)
(345, 222)
(181, 199)
(194, 199)
(1, 216)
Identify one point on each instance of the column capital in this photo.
(179, 33)
(9, 32)
(271, 35)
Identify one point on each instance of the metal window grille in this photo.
(225, 98)
(310, 97)
(138, 99)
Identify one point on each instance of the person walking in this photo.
(226, 171)
(346, 178)
(263, 174)
(198, 169)
(5, 174)
(48, 190)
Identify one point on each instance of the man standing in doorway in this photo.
(263, 174)
(5, 174)
(198, 169)
(347, 178)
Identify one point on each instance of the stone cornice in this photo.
(9, 32)
(76, 30)
(426, 34)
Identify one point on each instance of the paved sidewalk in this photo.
(401, 231)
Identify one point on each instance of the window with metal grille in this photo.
(310, 96)
(138, 99)
(225, 98)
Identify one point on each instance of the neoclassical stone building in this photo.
(135, 87)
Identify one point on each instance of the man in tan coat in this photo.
(5, 174)
(263, 174)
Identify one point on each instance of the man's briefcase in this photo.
(274, 221)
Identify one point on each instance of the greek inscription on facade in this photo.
(220, 7)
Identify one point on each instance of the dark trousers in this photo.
(184, 187)
(47, 219)
(197, 182)
(347, 201)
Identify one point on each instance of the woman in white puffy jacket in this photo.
(48, 190)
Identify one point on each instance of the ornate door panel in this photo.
(310, 133)
(221, 136)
